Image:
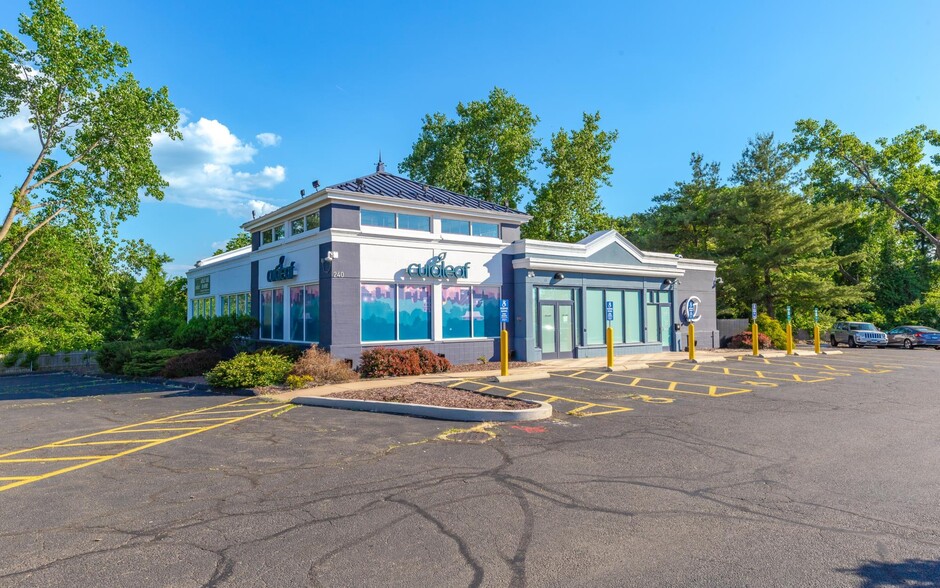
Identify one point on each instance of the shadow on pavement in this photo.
(36, 386)
(922, 573)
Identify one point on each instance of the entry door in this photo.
(665, 326)
(556, 329)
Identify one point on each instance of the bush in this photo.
(430, 362)
(113, 355)
(773, 329)
(248, 370)
(926, 312)
(217, 332)
(383, 361)
(320, 368)
(290, 351)
(196, 363)
(150, 363)
(743, 340)
(295, 382)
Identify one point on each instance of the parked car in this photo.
(909, 337)
(857, 335)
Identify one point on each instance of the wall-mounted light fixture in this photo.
(717, 281)
(530, 274)
(331, 255)
(559, 276)
(316, 184)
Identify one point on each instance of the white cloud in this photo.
(203, 169)
(268, 139)
(17, 134)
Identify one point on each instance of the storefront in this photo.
(385, 261)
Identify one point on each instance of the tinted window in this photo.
(414, 222)
(485, 230)
(375, 218)
(456, 227)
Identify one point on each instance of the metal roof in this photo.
(382, 183)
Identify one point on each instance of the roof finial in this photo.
(380, 166)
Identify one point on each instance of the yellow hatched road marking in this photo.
(833, 370)
(115, 442)
(549, 398)
(873, 362)
(664, 385)
(742, 373)
(90, 460)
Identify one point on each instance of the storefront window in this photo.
(414, 222)
(313, 221)
(377, 218)
(414, 312)
(556, 294)
(267, 237)
(455, 313)
(305, 313)
(455, 227)
(297, 226)
(236, 304)
(485, 230)
(272, 314)
(378, 312)
(485, 311)
(626, 323)
(204, 307)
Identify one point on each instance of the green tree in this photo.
(897, 173)
(242, 239)
(94, 124)
(776, 246)
(568, 208)
(687, 219)
(486, 152)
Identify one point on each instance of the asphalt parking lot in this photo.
(780, 472)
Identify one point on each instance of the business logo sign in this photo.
(282, 272)
(691, 309)
(435, 268)
(202, 286)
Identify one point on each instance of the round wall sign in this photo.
(691, 309)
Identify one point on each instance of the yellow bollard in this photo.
(504, 353)
(754, 338)
(789, 339)
(691, 341)
(610, 348)
(816, 338)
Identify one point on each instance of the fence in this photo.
(73, 361)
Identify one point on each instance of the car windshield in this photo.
(863, 327)
(925, 330)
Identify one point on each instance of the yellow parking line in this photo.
(158, 430)
(15, 478)
(665, 385)
(549, 398)
(743, 373)
(116, 442)
(92, 460)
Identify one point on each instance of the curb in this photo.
(707, 360)
(522, 377)
(831, 352)
(768, 354)
(542, 411)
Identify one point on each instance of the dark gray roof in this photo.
(385, 184)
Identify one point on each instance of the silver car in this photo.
(909, 337)
(857, 335)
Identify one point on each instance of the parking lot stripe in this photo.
(739, 372)
(660, 385)
(115, 442)
(582, 405)
(89, 460)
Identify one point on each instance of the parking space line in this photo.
(704, 368)
(661, 385)
(550, 398)
(829, 367)
(89, 460)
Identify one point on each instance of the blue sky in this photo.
(277, 94)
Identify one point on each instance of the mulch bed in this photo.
(490, 365)
(435, 396)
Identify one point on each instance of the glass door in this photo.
(556, 329)
(665, 326)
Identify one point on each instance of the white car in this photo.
(857, 335)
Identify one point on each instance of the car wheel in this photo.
(937, 348)
(852, 343)
(908, 344)
(880, 346)
(833, 342)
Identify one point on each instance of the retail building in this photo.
(385, 261)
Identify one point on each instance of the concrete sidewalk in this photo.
(541, 370)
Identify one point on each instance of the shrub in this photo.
(216, 332)
(743, 340)
(196, 363)
(773, 329)
(925, 312)
(113, 355)
(383, 361)
(317, 365)
(150, 363)
(295, 382)
(290, 351)
(430, 362)
(247, 370)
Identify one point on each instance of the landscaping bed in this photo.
(435, 396)
(490, 365)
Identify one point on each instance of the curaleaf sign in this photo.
(281, 272)
(435, 268)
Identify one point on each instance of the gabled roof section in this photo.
(382, 183)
